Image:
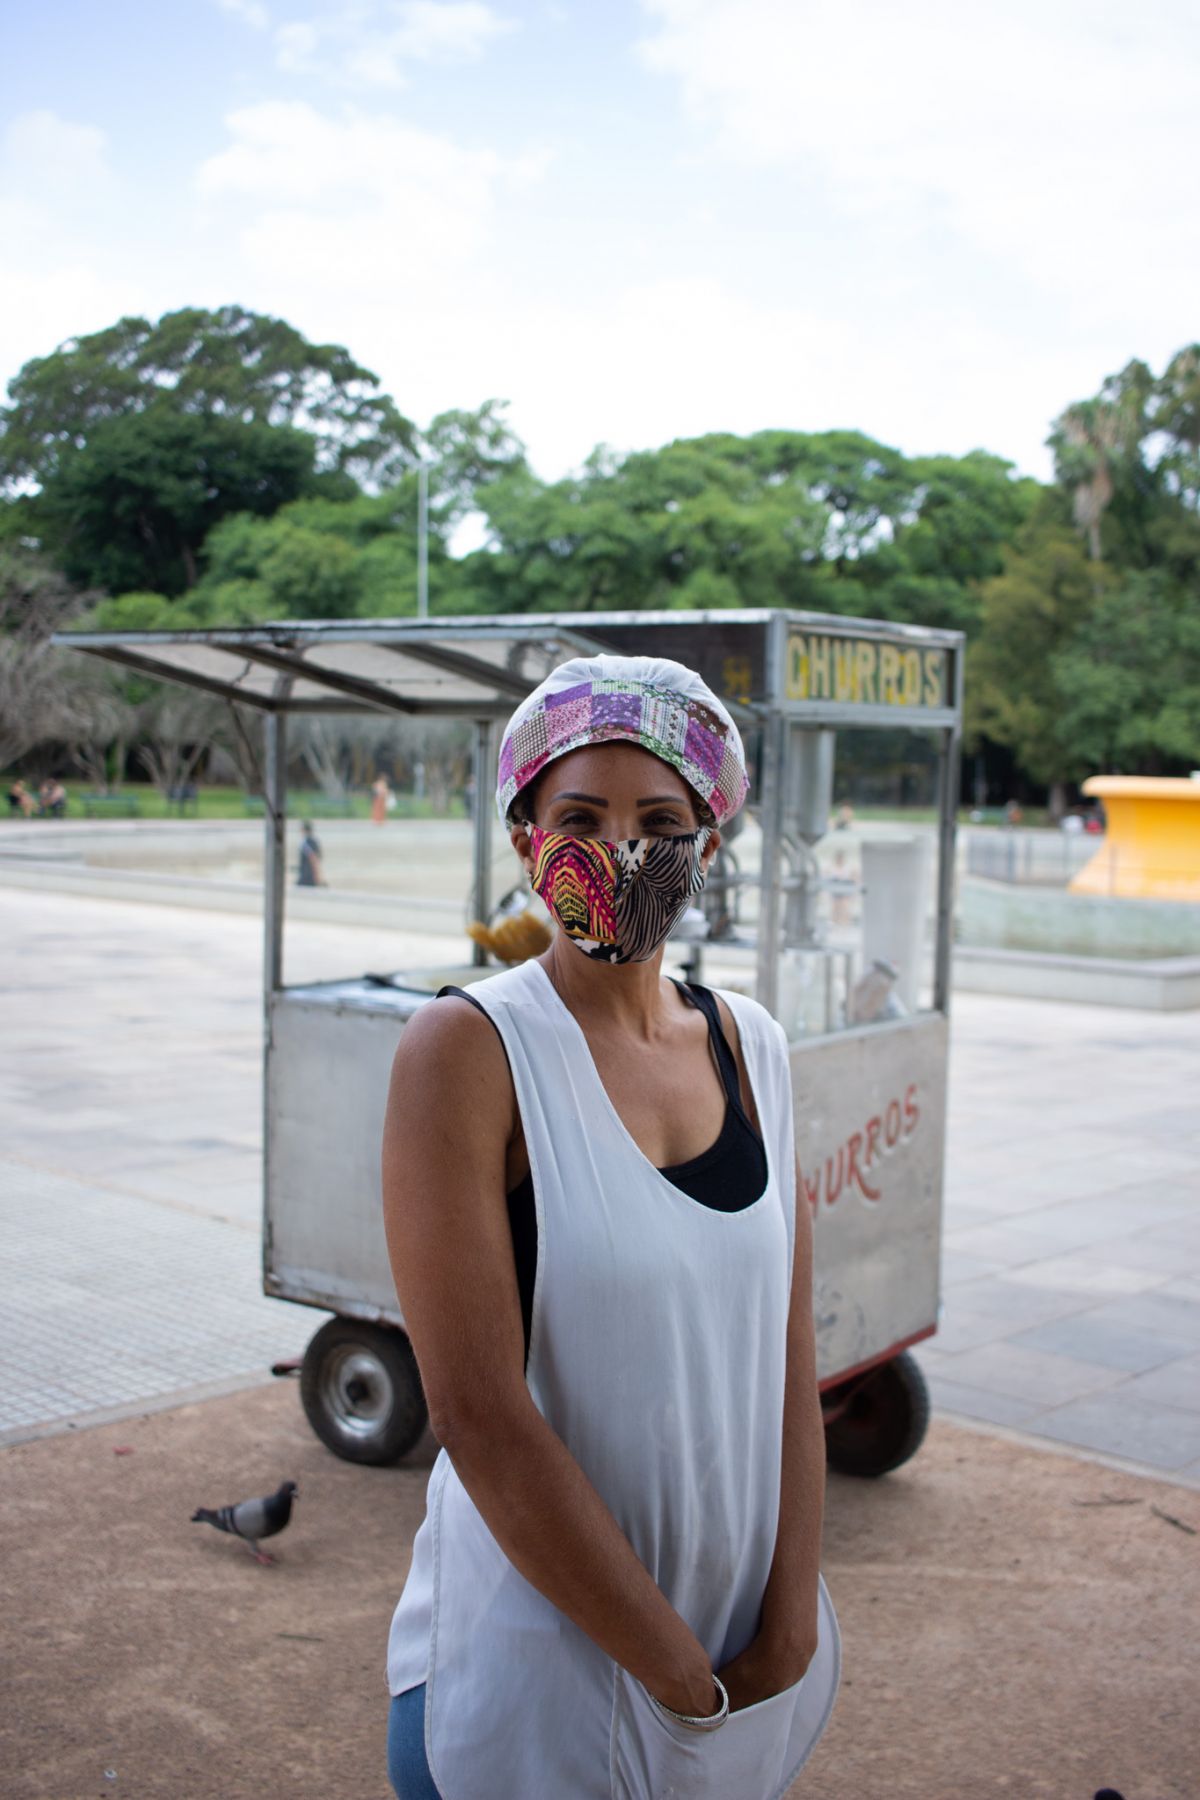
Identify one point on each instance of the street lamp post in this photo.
(422, 541)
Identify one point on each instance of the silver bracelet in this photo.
(698, 1722)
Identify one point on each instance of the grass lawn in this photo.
(231, 803)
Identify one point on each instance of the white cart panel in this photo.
(870, 1127)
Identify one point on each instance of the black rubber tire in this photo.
(361, 1391)
(885, 1422)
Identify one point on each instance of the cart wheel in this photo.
(884, 1422)
(361, 1391)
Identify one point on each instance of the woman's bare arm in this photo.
(790, 1605)
(787, 1636)
(451, 1113)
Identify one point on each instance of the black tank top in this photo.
(729, 1175)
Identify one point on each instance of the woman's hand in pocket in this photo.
(764, 1668)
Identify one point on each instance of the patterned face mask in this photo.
(617, 902)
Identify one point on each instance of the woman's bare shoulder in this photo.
(449, 1053)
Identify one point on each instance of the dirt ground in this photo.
(1014, 1622)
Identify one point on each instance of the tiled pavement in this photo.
(130, 1194)
(1071, 1261)
(129, 1190)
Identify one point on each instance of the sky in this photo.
(633, 220)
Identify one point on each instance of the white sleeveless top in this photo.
(657, 1353)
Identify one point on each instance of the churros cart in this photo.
(831, 902)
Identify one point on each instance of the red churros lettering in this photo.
(851, 1167)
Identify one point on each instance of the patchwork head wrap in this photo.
(646, 700)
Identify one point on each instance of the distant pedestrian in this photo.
(53, 797)
(382, 799)
(311, 872)
(20, 800)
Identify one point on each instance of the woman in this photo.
(589, 1193)
(381, 799)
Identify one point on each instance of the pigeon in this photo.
(253, 1519)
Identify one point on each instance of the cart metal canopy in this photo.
(869, 1062)
(843, 671)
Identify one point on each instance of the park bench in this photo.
(304, 806)
(111, 806)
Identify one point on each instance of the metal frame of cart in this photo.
(870, 1098)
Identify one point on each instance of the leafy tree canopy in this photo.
(1036, 609)
(229, 364)
(124, 448)
(1129, 681)
(1129, 458)
(132, 507)
(827, 521)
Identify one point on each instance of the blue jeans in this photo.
(408, 1768)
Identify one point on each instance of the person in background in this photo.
(382, 799)
(311, 872)
(53, 796)
(20, 800)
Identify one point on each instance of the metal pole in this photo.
(770, 814)
(274, 884)
(274, 853)
(422, 541)
(949, 763)
(484, 732)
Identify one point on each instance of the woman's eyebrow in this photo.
(599, 800)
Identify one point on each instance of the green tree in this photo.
(831, 521)
(964, 513)
(126, 447)
(1098, 461)
(231, 364)
(467, 451)
(1029, 614)
(132, 507)
(1129, 679)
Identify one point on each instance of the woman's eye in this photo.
(664, 824)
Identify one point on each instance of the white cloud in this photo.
(1057, 138)
(362, 201)
(250, 12)
(46, 160)
(393, 240)
(430, 30)
(373, 44)
(935, 225)
(55, 181)
(682, 356)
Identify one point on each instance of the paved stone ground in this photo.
(130, 1193)
(1072, 1243)
(129, 1188)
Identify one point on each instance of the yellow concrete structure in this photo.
(1151, 850)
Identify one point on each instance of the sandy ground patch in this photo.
(1014, 1621)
